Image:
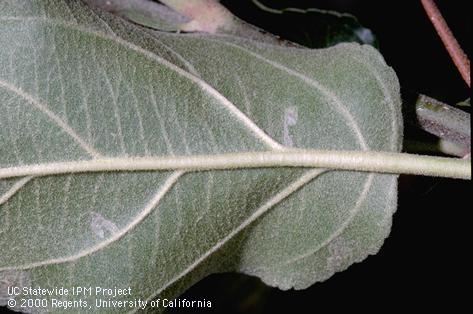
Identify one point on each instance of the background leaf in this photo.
(79, 84)
(310, 27)
(157, 16)
(143, 12)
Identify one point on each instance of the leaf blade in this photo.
(206, 222)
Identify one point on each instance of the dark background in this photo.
(424, 264)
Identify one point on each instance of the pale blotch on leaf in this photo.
(290, 119)
(341, 251)
(100, 225)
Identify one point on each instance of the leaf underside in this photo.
(78, 84)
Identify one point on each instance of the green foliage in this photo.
(313, 28)
(78, 84)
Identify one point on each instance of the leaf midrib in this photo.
(203, 85)
(188, 75)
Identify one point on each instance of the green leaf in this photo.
(78, 85)
(199, 17)
(143, 12)
(311, 27)
(465, 103)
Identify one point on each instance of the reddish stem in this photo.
(451, 44)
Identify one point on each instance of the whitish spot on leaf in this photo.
(100, 226)
(290, 119)
(340, 251)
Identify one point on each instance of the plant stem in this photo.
(366, 161)
(451, 44)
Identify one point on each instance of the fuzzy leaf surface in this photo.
(77, 84)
